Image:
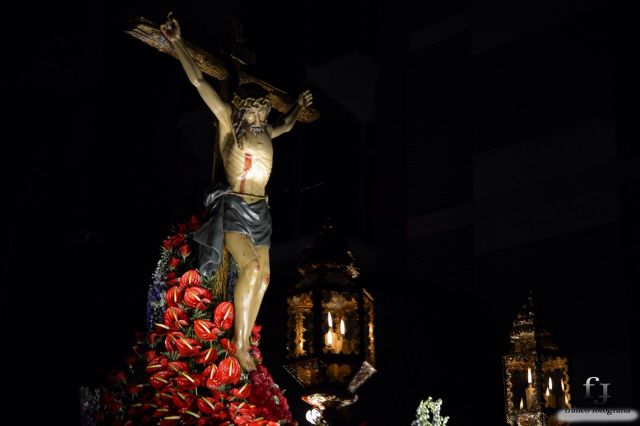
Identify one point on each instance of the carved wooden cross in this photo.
(149, 33)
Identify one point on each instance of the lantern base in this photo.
(331, 407)
(324, 400)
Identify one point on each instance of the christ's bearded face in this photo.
(255, 120)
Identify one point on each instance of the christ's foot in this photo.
(245, 359)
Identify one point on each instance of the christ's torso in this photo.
(248, 169)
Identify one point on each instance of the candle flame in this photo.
(562, 385)
(521, 403)
(550, 384)
(529, 375)
(547, 392)
(330, 320)
(342, 329)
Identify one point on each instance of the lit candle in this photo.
(339, 341)
(328, 338)
(521, 403)
(529, 393)
(549, 399)
(343, 344)
(551, 402)
(331, 339)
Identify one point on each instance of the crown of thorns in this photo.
(250, 103)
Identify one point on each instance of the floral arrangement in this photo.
(428, 414)
(183, 370)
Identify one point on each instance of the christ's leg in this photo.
(245, 255)
(263, 283)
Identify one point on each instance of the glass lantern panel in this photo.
(369, 320)
(340, 322)
(299, 325)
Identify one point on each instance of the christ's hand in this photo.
(171, 28)
(305, 99)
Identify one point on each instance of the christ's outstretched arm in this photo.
(222, 111)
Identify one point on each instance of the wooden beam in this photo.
(149, 33)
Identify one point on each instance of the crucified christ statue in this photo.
(242, 213)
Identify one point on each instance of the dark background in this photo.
(468, 154)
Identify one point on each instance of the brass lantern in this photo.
(330, 326)
(536, 375)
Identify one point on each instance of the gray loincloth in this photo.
(230, 213)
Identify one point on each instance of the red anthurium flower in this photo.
(175, 318)
(221, 413)
(150, 354)
(228, 346)
(209, 371)
(190, 278)
(242, 392)
(220, 396)
(187, 381)
(206, 330)
(189, 417)
(174, 296)
(229, 371)
(167, 244)
(135, 389)
(187, 346)
(174, 262)
(212, 381)
(181, 227)
(242, 419)
(160, 380)
(207, 356)
(159, 329)
(155, 365)
(242, 409)
(177, 366)
(207, 405)
(171, 278)
(169, 420)
(223, 315)
(165, 396)
(184, 251)
(170, 341)
(197, 297)
(182, 399)
(161, 412)
(135, 410)
(255, 334)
